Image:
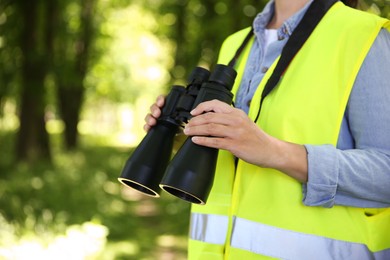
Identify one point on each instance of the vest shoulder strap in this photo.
(306, 26)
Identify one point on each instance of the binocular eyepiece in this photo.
(190, 173)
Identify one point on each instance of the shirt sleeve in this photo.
(359, 176)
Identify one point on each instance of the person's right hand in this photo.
(155, 112)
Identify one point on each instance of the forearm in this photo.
(355, 177)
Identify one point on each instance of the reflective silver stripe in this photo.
(285, 244)
(209, 228)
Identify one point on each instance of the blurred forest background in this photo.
(76, 80)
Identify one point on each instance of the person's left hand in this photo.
(218, 125)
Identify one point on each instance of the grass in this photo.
(77, 201)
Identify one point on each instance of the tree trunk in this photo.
(71, 91)
(70, 100)
(33, 139)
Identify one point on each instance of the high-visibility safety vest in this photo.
(257, 213)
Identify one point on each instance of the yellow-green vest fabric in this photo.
(258, 213)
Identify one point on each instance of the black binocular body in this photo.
(189, 174)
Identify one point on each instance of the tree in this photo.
(33, 139)
(72, 63)
(199, 28)
(54, 39)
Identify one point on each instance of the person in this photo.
(305, 172)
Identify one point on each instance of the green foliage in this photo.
(43, 201)
(10, 55)
(135, 62)
(379, 7)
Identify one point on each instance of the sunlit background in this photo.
(62, 200)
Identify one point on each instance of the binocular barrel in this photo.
(190, 174)
(145, 168)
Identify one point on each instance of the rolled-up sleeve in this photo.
(321, 187)
(355, 177)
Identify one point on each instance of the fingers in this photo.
(218, 125)
(202, 109)
(150, 121)
(213, 105)
(218, 143)
(160, 101)
(210, 124)
(211, 112)
(155, 113)
(216, 112)
(155, 109)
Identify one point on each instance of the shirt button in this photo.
(264, 69)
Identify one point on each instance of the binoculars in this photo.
(189, 175)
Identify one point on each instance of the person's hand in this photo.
(155, 112)
(216, 124)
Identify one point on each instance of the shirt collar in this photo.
(262, 19)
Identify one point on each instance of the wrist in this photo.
(290, 159)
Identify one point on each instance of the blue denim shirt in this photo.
(357, 171)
